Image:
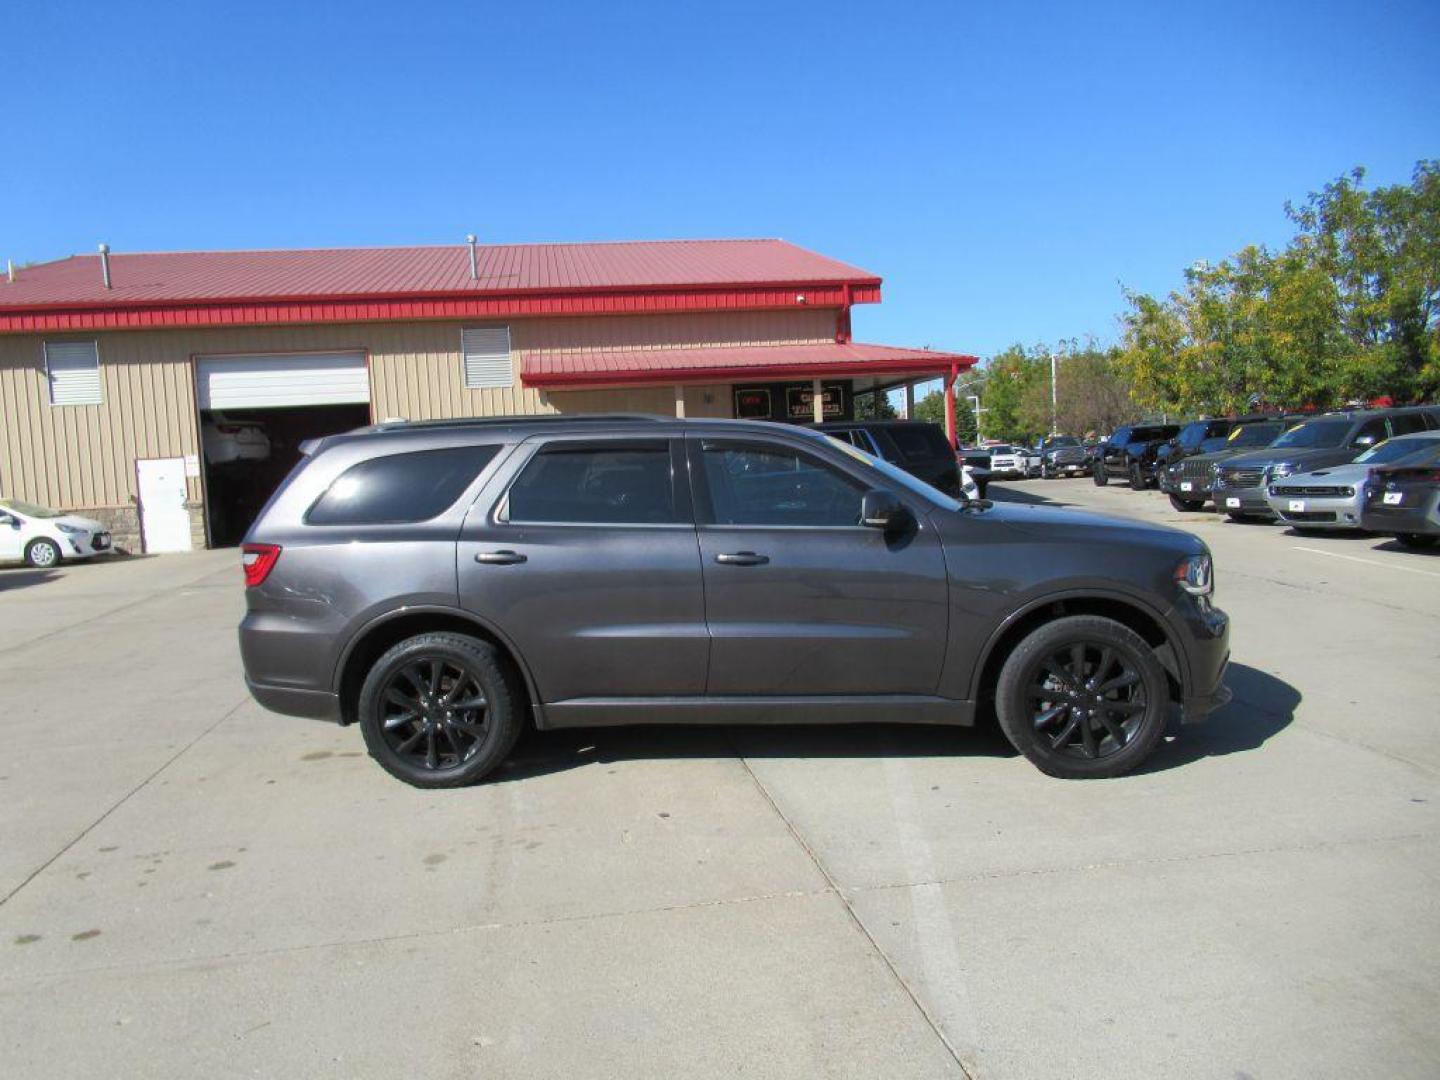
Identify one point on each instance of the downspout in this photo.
(842, 318)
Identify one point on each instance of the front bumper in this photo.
(1206, 644)
(1199, 490)
(1252, 502)
(1338, 512)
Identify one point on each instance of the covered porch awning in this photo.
(600, 368)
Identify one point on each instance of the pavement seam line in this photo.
(1120, 864)
(834, 887)
(420, 935)
(122, 801)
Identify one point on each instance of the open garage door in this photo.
(269, 382)
(255, 411)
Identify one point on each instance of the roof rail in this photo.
(506, 421)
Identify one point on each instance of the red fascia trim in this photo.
(574, 380)
(491, 305)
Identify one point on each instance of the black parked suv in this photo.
(1187, 481)
(1330, 439)
(445, 584)
(1130, 453)
(1063, 455)
(918, 447)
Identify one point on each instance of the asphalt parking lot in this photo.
(193, 886)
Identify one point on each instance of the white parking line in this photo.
(1368, 562)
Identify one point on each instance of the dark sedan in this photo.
(1404, 501)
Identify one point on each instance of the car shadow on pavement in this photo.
(20, 577)
(1262, 706)
(1431, 552)
(1052, 493)
(541, 752)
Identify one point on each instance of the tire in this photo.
(42, 554)
(1045, 473)
(1098, 474)
(478, 739)
(1186, 506)
(1417, 541)
(1137, 479)
(980, 486)
(1239, 518)
(1129, 724)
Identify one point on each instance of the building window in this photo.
(73, 370)
(486, 352)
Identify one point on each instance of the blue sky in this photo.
(1005, 167)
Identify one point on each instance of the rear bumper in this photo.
(312, 704)
(1404, 519)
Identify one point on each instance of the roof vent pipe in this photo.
(474, 267)
(105, 263)
(10, 270)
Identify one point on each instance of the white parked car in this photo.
(44, 537)
(227, 440)
(1008, 461)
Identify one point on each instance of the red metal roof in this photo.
(731, 362)
(199, 276)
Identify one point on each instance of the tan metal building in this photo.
(120, 373)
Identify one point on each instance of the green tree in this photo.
(932, 408)
(874, 406)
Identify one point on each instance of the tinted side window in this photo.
(915, 441)
(400, 488)
(619, 483)
(762, 485)
(1407, 423)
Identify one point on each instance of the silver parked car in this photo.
(1334, 498)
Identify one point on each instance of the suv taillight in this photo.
(258, 560)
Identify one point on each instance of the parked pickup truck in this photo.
(1130, 454)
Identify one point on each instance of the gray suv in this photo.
(445, 584)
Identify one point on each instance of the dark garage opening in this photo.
(237, 483)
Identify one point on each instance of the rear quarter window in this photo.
(400, 488)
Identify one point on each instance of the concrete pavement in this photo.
(193, 885)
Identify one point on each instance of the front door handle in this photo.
(742, 558)
(499, 558)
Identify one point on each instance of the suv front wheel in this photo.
(439, 710)
(1083, 697)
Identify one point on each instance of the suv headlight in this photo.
(1282, 470)
(1196, 575)
(70, 530)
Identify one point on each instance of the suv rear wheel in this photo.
(439, 710)
(1083, 697)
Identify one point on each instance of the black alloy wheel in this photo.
(439, 710)
(1083, 696)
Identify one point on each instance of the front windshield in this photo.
(1314, 435)
(1061, 440)
(26, 509)
(910, 483)
(1255, 434)
(1395, 450)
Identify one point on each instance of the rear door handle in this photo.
(499, 558)
(742, 558)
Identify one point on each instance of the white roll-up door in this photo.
(265, 382)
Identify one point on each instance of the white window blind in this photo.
(487, 357)
(73, 368)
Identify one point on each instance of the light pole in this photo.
(974, 400)
(1054, 400)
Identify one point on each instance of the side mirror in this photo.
(6, 519)
(880, 509)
